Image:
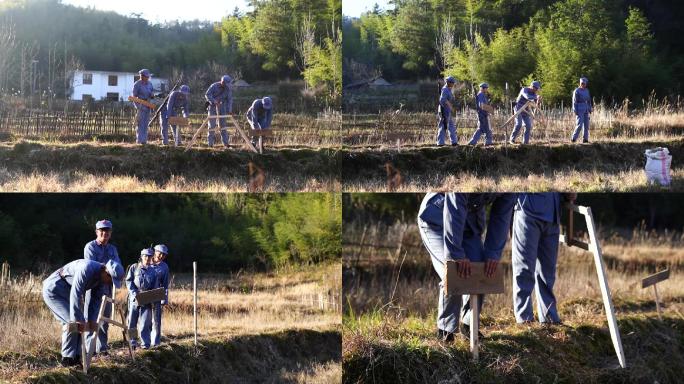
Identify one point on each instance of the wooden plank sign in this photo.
(146, 297)
(477, 283)
(487, 108)
(261, 132)
(141, 101)
(179, 120)
(655, 278)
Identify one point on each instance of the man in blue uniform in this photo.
(526, 94)
(582, 106)
(220, 101)
(141, 277)
(161, 251)
(482, 117)
(260, 114)
(536, 230)
(142, 89)
(445, 110)
(63, 291)
(451, 226)
(102, 251)
(178, 101)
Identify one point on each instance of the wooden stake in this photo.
(655, 289)
(194, 297)
(474, 327)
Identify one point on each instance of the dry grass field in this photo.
(253, 327)
(390, 296)
(613, 160)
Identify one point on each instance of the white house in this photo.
(106, 85)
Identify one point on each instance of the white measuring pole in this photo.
(194, 297)
(474, 327)
(603, 282)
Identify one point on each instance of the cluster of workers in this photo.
(455, 227)
(219, 102)
(74, 294)
(581, 106)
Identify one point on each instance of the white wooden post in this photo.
(595, 248)
(655, 288)
(194, 296)
(474, 327)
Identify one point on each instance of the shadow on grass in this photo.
(161, 164)
(274, 357)
(520, 354)
(364, 167)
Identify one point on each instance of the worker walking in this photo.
(483, 127)
(144, 90)
(161, 251)
(63, 291)
(102, 251)
(141, 276)
(260, 115)
(451, 226)
(179, 101)
(445, 111)
(582, 106)
(536, 230)
(219, 102)
(526, 95)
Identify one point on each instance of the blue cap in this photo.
(450, 79)
(267, 103)
(144, 72)
(484, 85)
(536, 84)
(116, 271)
(103, 224)
(161, 248)
(147, 252)
(226, 79)
(584, 80)
(185, 89)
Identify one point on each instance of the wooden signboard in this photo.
(593, 246)
(179, 120)
(151, 296)
(653, 280)
(143, 102)
(487, 108)
(474, 285)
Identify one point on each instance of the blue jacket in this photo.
(526, 94)
(257, 114)
(459, 214)
(100, 253)
(83, 275)
(445, 96)
(541, 206)
(581, 101)
(178, 100)
(219, 94)
(481, 99)
(142, 90)
(162, 273)
(140, 278)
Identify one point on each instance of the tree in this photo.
(413, 35)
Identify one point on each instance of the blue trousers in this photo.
(142, 119)
(535, 253)
(451, 308)
(519, 120)
(164, 123)
(581, 123)
(445, 122)
(156, 324)
(102, 333)
(56, 293)
(140, 314)
(482, 127)
(222, 110)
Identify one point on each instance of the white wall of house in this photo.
(101, 85)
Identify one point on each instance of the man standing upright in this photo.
(220, 102)
(582, 106)
(482, 100)
(144, 90)
(445, 111)
(102, 251)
